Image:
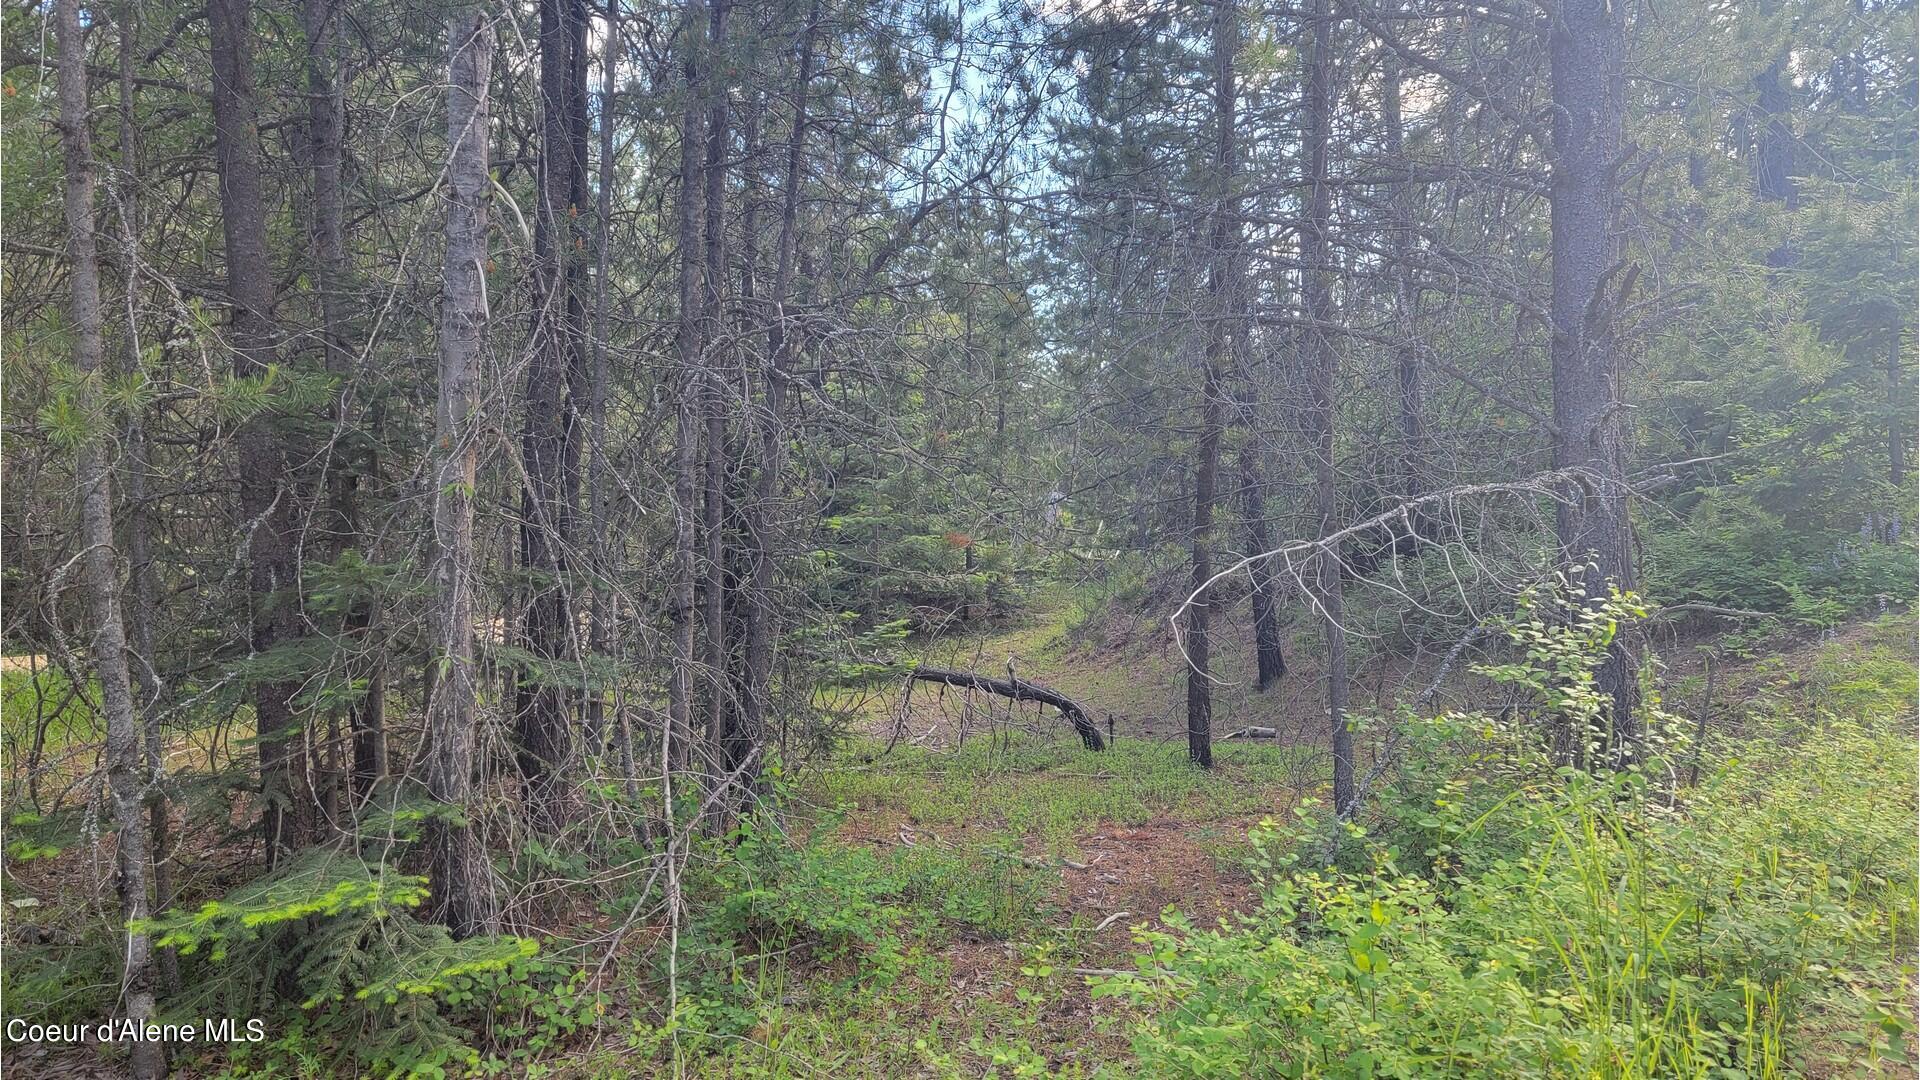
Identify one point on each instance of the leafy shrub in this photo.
(1734, 553)
(1510, 918)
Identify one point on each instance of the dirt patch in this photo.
(1065, 1027)
(25, 663)
(1142, 870)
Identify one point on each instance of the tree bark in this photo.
(326, 118)
(141, 592)
(600, 614)
(688, 350)
(1587, 48)
(721, 742)
(1270, 659)
(1409, 376)
(1222, 290)
(266, 502)
(1322, 368)
(549, 447)
(462, 887)
(762, 528)
(98, 569)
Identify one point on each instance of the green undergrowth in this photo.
(829, 955)
(900, 914)
(834, 949)
(1051, 790)
(1499, 916)
(43, 707)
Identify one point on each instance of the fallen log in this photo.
(1019, 690)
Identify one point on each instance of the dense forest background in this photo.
(598, 537)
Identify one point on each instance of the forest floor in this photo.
(948, 904)
(1044, 860)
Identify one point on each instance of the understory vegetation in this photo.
(1740, 903)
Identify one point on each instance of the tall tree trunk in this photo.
(1322, 368)
(548, 449)
(715, 640)
(762, 528)
(266, 500)
(600, 615)
(1588, 50)
(689, 348)
(1270, 658)
(141, 594)
(462, 886)
(93, 473)
(1222, 297)
(326, 117)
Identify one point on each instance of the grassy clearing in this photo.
(1107, 651)
(1050, 790)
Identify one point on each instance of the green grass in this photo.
(1872, 675)
(30, 699)
(1052, 789)
(1061, 642)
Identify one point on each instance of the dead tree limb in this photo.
(1018, 689)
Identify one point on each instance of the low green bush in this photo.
(1733, 552)
(1502, 916)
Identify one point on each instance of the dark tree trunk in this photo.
(763, 628)
(1199, 645)
(1409, 378)
(600, 616)
(688, 349)
(1222, 296)
(1270, 659)
(462, 885)
(98, 562)
(1322, 367)
(1588, 50)
(326, 114)
(266, 500)
(549, 442)
(715, 641)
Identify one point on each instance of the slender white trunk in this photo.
(98, 562)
